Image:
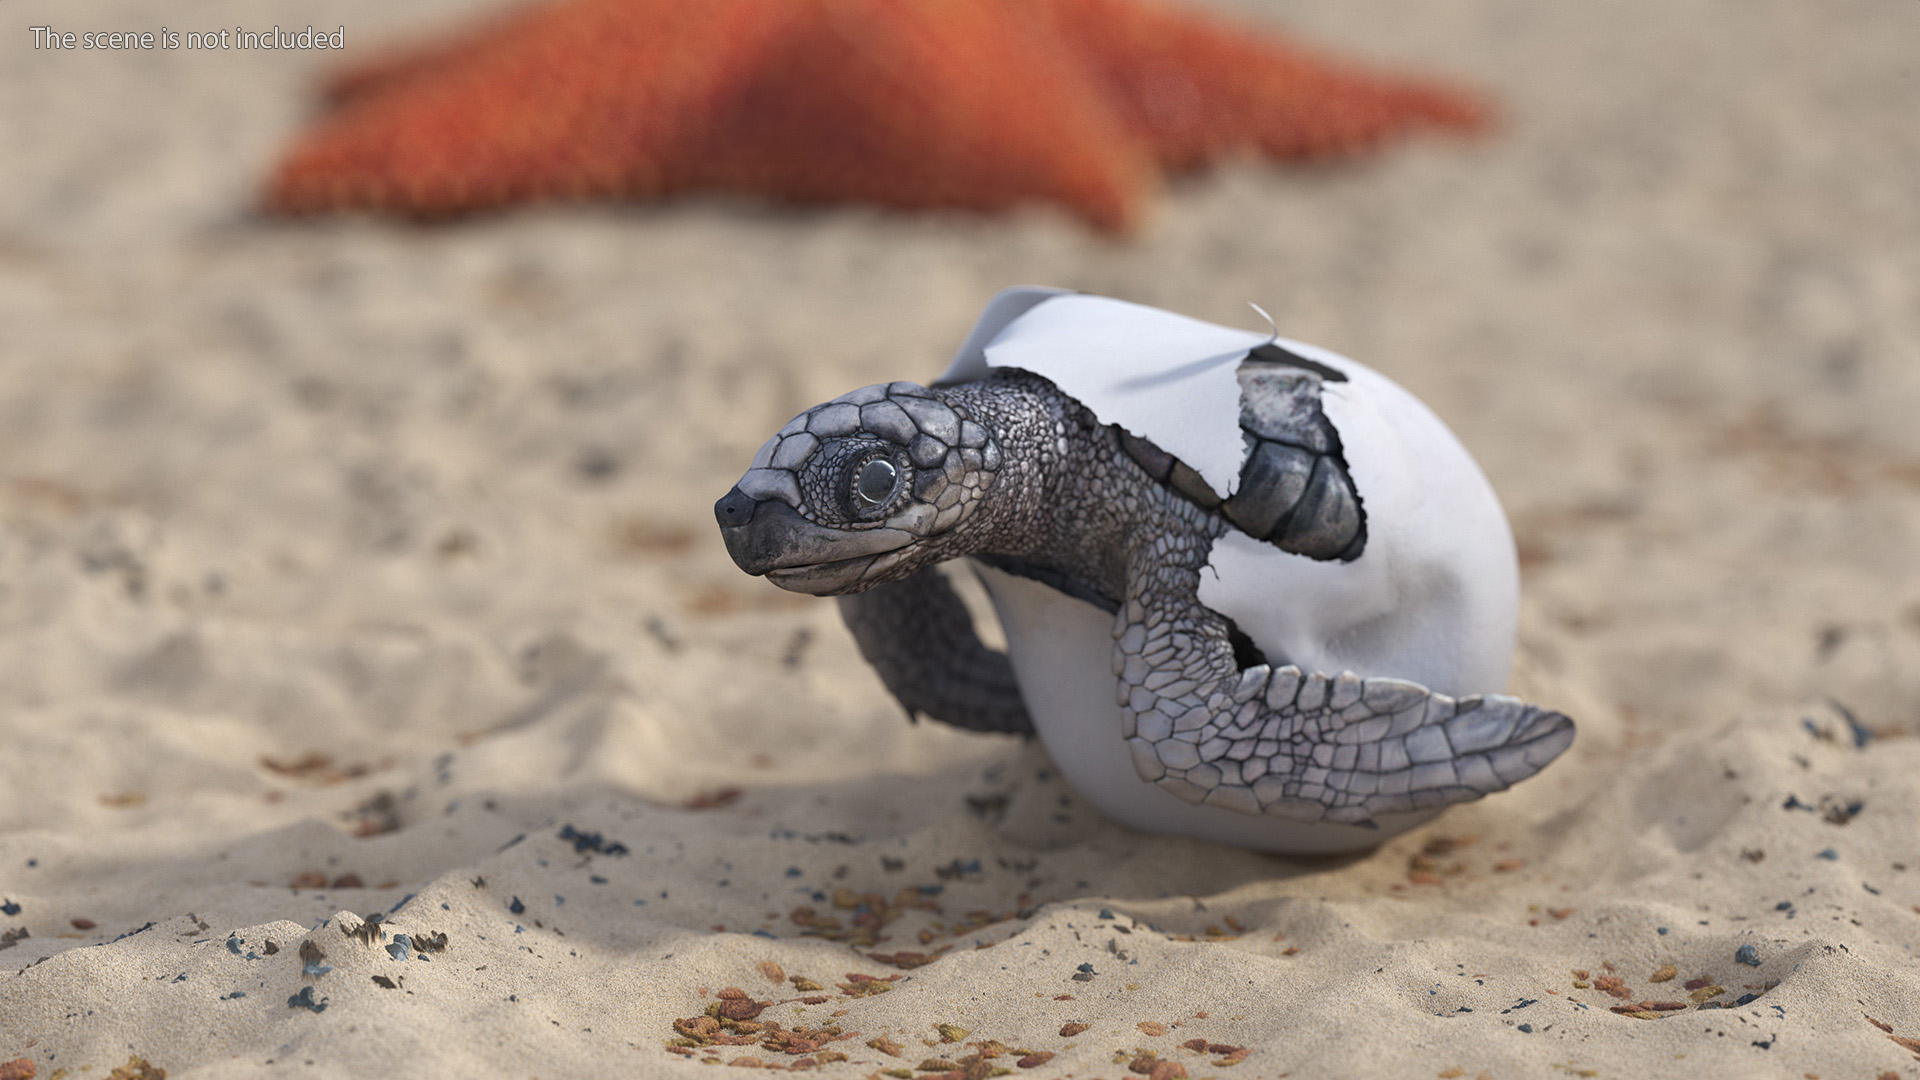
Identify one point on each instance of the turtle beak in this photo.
(734, 511)
(766, 536)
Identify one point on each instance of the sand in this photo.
(351, 568)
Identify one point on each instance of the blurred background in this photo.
(337, 552)
(379, 491)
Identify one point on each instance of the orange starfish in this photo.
(982, 104)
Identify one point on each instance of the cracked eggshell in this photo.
(1434, 596)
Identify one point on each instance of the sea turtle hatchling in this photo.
(1253, 592)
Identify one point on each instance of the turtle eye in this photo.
(875, 483)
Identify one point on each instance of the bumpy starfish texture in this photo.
(976, 104)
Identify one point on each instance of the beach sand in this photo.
(353, 567)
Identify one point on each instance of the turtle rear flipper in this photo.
(919, 637)
(1303, 745)
(1344, 749)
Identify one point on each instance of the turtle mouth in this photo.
(824, 579)
(768, 538)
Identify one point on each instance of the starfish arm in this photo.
(586, 98)
(1298, 745)
(919, 636)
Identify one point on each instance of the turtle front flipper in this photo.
(918, 635)
(1302, 745)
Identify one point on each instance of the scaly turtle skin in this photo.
(1337, 528)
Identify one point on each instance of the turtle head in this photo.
(865, 489)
